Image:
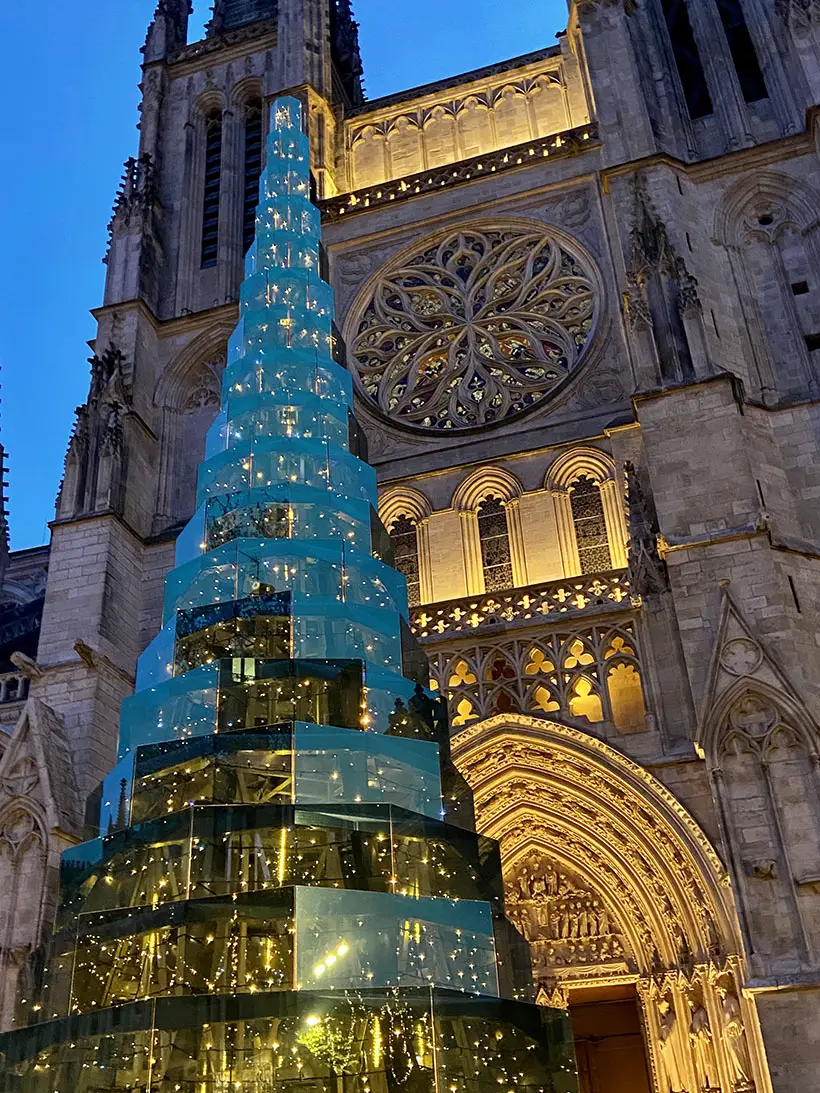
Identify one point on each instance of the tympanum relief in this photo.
(565, 922)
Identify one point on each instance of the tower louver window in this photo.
(687, 59)
(743, 51)
(287, 891)
(253, 169)
(210, 189)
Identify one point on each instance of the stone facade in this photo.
(580, 295)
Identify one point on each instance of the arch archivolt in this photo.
(403, 500)
(613, 881)
(477, 486)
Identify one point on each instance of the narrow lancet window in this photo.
(404, 537)
(590, 525)
(687, 59)
(494, 536)
(253, 169)
(210, 189)
(742, 49)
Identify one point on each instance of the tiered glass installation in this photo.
(286, 890)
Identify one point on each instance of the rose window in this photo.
(474, 329)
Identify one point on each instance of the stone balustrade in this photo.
(550, 602)
(13, 687)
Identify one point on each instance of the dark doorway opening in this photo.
(609, 1041)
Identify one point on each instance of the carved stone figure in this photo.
(734, 1036)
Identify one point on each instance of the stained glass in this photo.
(494, 536)
(406, 552)
(590, 526)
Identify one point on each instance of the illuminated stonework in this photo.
(478, 326)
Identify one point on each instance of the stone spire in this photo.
(168, 30)
(344, 33)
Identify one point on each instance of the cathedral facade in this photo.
(579, 295)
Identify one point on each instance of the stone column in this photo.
(471, 543)
(615, 521)
(425, 560)
(515, 532)
(566, 533)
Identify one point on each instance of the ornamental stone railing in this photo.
(548, 602)
(13, 687)
(567, 143)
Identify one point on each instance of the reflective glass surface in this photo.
(286, 890)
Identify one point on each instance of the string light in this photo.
(284, 781)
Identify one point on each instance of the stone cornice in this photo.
(727, 163)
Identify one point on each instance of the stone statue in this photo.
(734, 1036)
(668, 1045)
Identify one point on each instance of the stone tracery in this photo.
(478, 326)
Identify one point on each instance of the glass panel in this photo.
(350, 939)
(335, 766)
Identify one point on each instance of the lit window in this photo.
(406, 551)
(494, 536)
(590, 525)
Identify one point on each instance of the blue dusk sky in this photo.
(68, 79)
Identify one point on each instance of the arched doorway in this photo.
(626, 905)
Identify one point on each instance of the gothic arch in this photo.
(174, 385)
(484, 480)
(599, 467)
(590, 461)
(187, 397)
(572, 814)
(762, 750)
(764, 188)
(207, 102)
(245, 90)
(769, 225)
(405, 501)
(612, 822)
(480, 484)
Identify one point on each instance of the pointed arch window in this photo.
(590, 525)
(252, 169)
(494, 537)
(211, 187)
(404, 536)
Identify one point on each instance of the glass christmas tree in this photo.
(286, 890)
